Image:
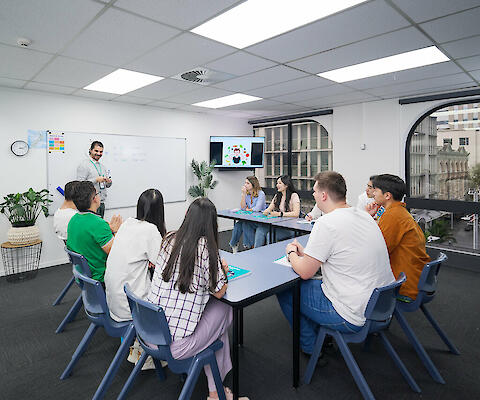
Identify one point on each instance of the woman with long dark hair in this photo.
(253, 199)
(189, 277)
(135, 249)
(285, 203)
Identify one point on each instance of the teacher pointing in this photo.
(92, 170)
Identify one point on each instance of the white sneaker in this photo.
(234, 248)
(134, 355)
(149, 364)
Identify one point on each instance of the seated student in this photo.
(285, 203)
(88, 234)
(189, 277)
(314, 214)
(253, 199)
(366, 197)
(67, 210)
(349, 248)
(404, 238)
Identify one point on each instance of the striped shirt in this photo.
(183, 310)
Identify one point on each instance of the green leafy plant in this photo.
(440, 228)
(23, 209)
(203, 172)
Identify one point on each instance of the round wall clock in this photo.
(19, 148)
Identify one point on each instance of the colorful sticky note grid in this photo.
(56, 143)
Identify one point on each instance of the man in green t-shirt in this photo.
(88, 234)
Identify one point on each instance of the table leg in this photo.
(296, 334)
(235, 385)
(240, 327)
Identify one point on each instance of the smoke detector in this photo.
(203, 76)
(24, 42)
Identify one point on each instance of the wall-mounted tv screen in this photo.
(237, 151)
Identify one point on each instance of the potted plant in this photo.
(203, 172)
(22, 210)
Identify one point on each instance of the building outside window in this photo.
(447, 141)
(463, 141)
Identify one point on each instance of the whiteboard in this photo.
(136, 163)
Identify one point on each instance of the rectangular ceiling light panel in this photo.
(237, 98)
(398, 62)
(256, 20)
(122, 81)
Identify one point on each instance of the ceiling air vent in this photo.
(203, 76)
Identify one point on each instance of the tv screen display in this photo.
(237, 151)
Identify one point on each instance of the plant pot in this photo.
(23, 235)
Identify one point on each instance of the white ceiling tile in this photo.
(75, 73)
(381, 46)
(470, 63)
(456, 79)
(95, 95)
(44, 87)
(164, 88)
(202, 94)
(355, 24)
(464, 47)
(185, 14)
(164, 104)
(265, 77)
(133, 100)
(331, 90)
(15, 83)
(352, 97)
(424, 10)
(292, 86)
(414, 74)
(265, 105)
(117, 37)
(180, 54)
(454, 27)
(18, 63)
(186, 107)
(240, 63)
(49, 24)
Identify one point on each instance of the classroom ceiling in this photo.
(74, 43)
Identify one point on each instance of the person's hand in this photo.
(244, 190)
(108, 180)
(291, 247)
(100, 179)
(308, 217)
(266, 212)
(224, 265)
(275, 213)
(115, 223)
(372, 208)
(300, 251)
(248, 209)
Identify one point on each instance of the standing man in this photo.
(92, 170)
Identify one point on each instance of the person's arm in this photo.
(304, 265)
(108, 246)
(83, 174)
(259, 202)
(316, 212)
(270, 207)
(391, 231)
(223, 267)
(243, 202)
(296, 207)
(108, 179)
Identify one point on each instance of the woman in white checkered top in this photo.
(189, 277)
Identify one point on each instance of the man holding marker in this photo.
(92, 170)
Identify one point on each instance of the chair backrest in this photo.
(428, 279)
(79, 262)
(382, 301)
(149, 320)
(93, 296)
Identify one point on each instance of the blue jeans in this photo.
(248, 230)
(262, 236)
(315, 310)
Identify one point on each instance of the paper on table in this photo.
(304, 221)
(283, 261)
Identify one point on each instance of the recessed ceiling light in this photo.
(398, 62)
(226, 101)
(122, 81)
(256, 20)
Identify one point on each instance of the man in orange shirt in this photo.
(404, 238)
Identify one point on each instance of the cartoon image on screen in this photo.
(237, 155)
(237, 151)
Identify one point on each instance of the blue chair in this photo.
(378, 315)
(152, 327)
(79, 262)
(96, 308)
(427, 286)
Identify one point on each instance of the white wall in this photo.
(21, 110)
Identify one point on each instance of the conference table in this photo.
(266, 279)
(299, 225)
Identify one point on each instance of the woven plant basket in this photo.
(23, 235)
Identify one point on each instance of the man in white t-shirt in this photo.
(348, 246)
(62, 216)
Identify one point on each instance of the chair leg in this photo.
(353, 367)
(427, 362)
(64, 291)
(133, 375)
(312, 363)
(439, 330)
(398, 362)
(71, 314)
(159, 370)
(115, 364)
(191, 380)
(80, 350)
(217, 378)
